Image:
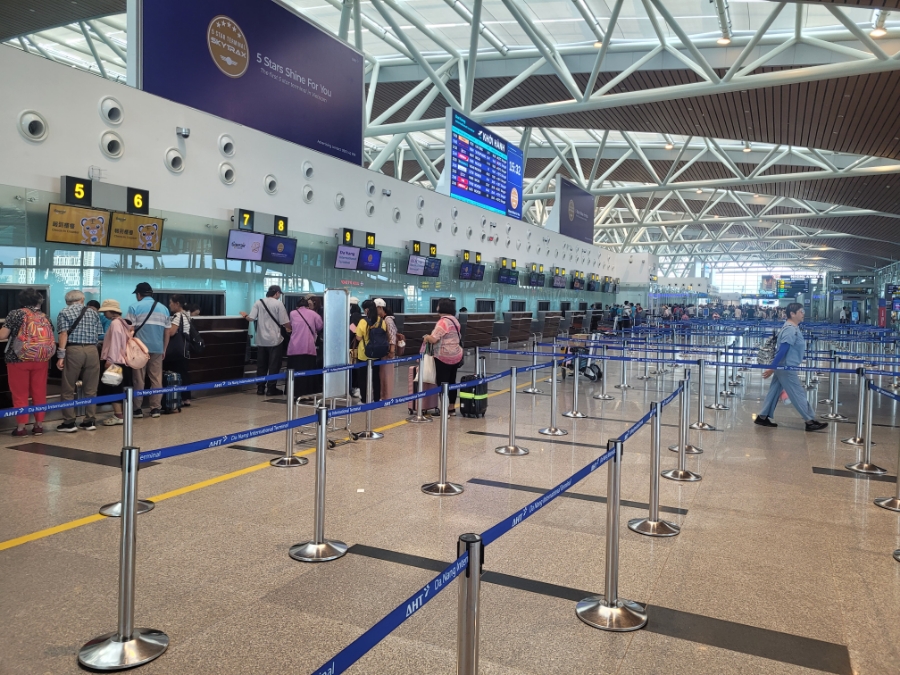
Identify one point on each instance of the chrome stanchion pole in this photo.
(718, 405)
(319, 549)
(835, 394)
(533, 388)
(892, 503)
(419, 417)
(575, 412)
(681, 473)
(684, 440)
(288, 458)
(114, 510)
(701, 424)
(512, 448)
(832, 379)
(478, 359)
(646, 375)
(733, 382)
(862, 382)
(603, 396)
(609, 611)
(727, 392)
(652, 526)
(553, 430)
(369, 433)
(468, 620)
(623, 384)
(866, 466)
(128, 646)
(443, 487)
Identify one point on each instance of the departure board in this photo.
(484, 169)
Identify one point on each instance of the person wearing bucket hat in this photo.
(112, 355)
(151, 321)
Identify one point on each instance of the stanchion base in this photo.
(442, 489)
(867, 468)
(809, 387)
(108, 653)
(553, 431)
(309, 551)
(856, 440)
(623, 386)
(370, 435)
(511, 450)
(284, 462)
(532, 390)
(734, 384)
(644, 377)
(683, 476)
(717, 406)
(653, 528)
(728, 394)
(688, 449)
(702, 426)
(604, 397)
(834, 417)
(897, 555)
(114, 510)
(416, 419)
(624, 616)
(826, 401)
(574, 413)
(889, 503)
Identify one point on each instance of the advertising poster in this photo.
(258, 64)
(244, 245)
(77, 225)
(141, 233)
(576, 215)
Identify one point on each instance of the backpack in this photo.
(766, 353)
(136, 353)
(35, 341)
(376, 347)
(195, 341)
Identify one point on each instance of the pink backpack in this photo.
(136, 353)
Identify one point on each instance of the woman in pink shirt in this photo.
(448, 352)
(306, 325)
(113, 353)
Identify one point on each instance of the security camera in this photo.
(386, 193)
(184, 132)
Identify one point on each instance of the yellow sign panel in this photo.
(141, 233)
(77, 225)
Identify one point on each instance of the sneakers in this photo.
(764, 421)
(67, 427)
(138, 414)
(20, 432)
(815, 425)
(37, 430)
(260, 392)
(155, 412)
(88, 425)
(113, 421)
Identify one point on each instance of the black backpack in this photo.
(377, 346)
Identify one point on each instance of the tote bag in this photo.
(429, 371)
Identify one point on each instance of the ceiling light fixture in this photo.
(669, 142)
(747, 147)
(724, 17)
(598, 44)
(879, 17)
(699, 191)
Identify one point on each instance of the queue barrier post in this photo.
(553, 430)
(419, 417)
(866, 466)
(533, 388)
(733, 382)
(369, 433)
(652, 526)
(443, 487)
(114, 510)
(319, 549)
(478, 359)
(512, 448)
(681, 473)
(603, 396)
(609, 611)
(892, 503)
(727, 391)
(646, 375)
(468, 619)
(128, 646)
(717, 404)
(834, 415)
(623, 383)
(684, 430)
(862, 382)
(575, 412)
(702, 424)
(831, 385)
(288, 459)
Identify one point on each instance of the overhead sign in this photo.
(259, 64)
(134, 231)
(576, 211)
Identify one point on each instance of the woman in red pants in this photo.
(28, 351)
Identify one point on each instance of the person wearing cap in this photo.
(151, 322)
(270, 316)
(387, 371)
(78, 327)
(113, 354)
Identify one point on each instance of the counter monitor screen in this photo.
(432, 267)
(577, 284)
(245, 245)
(465, 271)
(559, 282)
(416, 265)
(279, 250)
(369, 260)
(478, 273)
(141, 233)
(347, 258)
(77, 225)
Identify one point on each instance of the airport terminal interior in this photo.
(511, 337)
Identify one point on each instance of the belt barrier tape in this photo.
(59, 405)
(884, 392)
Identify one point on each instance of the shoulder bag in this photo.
(284, 334)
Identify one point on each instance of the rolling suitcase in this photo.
(429, 402)
(473, 400)
(171, 402)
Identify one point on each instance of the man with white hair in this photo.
(79, 328)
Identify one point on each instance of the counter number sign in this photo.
(77, 191)
(138, 201)
(370, 240)
(348, 237)
(417, 247)
(245, 220)
(466, 256)
(477, 258)
(281, 226)
(432, 250)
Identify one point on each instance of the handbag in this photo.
(429, 370)
(178, 345)
(284, 334)
(112, 376)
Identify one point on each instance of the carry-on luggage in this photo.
(171, 402)
(473, 400)
(429, 402)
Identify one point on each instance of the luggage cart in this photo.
(307, 432)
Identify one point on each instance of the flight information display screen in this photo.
(485, 169)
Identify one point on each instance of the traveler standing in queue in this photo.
(790, 350)
(104, 322)
(387, 372)
(113, 354)
(302, 352)
(150, 319)
(178, 351)
(270, 316)
(448, 351)
(356, 316)
(371, 345)
(78, 327)
(28, 352)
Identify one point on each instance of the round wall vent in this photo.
(111, 110)
(174, 160)
(307, 193)
(339, 201)
(111, 144)
(226, 173)
(33, 126)
(271, 184)
(226, 145)
(308, 170)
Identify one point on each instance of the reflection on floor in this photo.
(783, 564)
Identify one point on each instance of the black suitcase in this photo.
(473, 400)
(171, 402)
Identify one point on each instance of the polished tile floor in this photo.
(782, 566)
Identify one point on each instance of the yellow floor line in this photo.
(71, 525)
